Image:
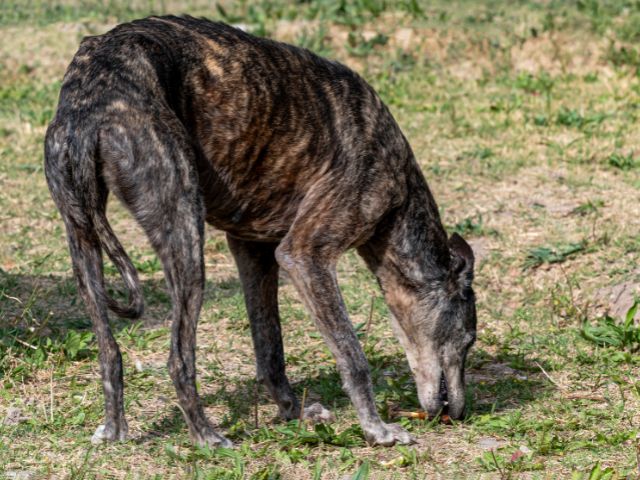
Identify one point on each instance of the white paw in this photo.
(102, 435)
(225, 442)
(99, 436)
(214, 440)
(387, 435)
(316, 413)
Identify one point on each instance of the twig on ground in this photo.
(418, 415)
(368, 327)
(495, 460)
(584, 396)
(51, 394)
(570, 395)
(255, 403)
(638, 454)
(301, 418)
(560, 387)
(304, 399)
(22, 342)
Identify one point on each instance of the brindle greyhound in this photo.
(297, 159)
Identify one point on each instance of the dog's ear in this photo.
(461, 263)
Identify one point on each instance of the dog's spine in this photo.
(79, 193)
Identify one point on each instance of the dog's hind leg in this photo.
(258, 271)
(87, 260)
(80, 204)
(152, 170)
(181, 252)
(85, 251)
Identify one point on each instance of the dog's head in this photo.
(436, 325)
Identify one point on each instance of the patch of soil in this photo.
(480, 247)
(616, 300)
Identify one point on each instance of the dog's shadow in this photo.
(50, 306)
(394, 390)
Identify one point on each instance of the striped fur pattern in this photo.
(297, 159)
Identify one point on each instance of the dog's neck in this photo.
(411, 248)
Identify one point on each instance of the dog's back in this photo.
(267, 120)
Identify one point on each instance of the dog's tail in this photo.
(80, 193)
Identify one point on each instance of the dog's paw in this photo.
(388, 434)
(108, 434)
(316, 413)
(212, 439)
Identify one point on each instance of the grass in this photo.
(524, 118)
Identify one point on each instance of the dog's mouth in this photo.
(444, 395)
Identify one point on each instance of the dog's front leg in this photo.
(258, 271)
(314, 276)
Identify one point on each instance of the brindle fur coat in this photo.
(297, 159)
